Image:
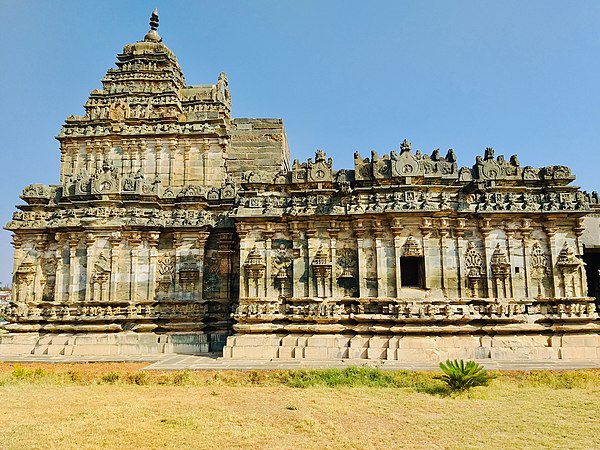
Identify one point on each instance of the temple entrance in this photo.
(221, 285)
(591, 258)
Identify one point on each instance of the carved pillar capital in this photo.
(17, 241)
(426, 226)
(134, 238)
(153, 237)
(73, 240)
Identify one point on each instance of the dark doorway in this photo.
(591, 258)
(411, 271)
(221, 285)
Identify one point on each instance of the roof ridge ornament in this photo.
(152, 35)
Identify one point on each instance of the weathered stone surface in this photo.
(175, 225)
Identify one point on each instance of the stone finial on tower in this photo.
(152, 35)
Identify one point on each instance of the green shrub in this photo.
(110, 377)
(182, 377)
(461, 376)
(20, 373)
(139, 378)
(73, 376)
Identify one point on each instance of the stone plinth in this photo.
(102, 344)
(422, 348)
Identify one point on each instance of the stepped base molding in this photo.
(102, 344)
(413, 348)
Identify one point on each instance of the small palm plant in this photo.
(461, 376)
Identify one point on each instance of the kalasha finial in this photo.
(154, 20)
(152, 34)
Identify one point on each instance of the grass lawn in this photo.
(118, 406)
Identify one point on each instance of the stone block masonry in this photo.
(178, 228)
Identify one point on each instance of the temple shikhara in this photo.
(177, 228)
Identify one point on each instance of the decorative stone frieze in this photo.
(172, 217)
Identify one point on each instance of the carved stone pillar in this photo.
(205, 150)
(380, 266)
(426, 227)
(115, 242)
(157, 158)
(360, 233)
(579, 229)
(243, 234)
(135, 240)
(299, 261)
(485, 228)
(459, 231)
(90, 240)
(177, 244)
(59, 283)
(202, 238)
(172, 155)
(443, 233)
(186, 162)
(510, 250)
(74, 268)
(40, 279)
(333, 233)
(550, 235)
(88, 157)
(525, 234)
(310, 236)
(17, 243)
(396, 230)
(63, 163)
(268, 237)
(153, 237)
(321, 266)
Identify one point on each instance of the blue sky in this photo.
(345, 75)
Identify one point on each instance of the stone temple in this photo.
(177, 228)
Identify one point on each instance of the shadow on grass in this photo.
(436, 389)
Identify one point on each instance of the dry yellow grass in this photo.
(513, 412)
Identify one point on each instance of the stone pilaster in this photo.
(310, 252)
(157, 158)
(443, 233)
(333, 233)
(59, 282)
(172, 155)
(74, 268)
(380, 266)
(268, 238)
(485, 227)
(579, 229)
(360, 233)
(242, 233)
(115, 242)
(299, 262)
(153, 237)
(202, 238)
(205, 150)
(186, 162)
(550, 230)
(40, 280)
(134, 239)
(396, 230)
(525, 234)
(510, 250)
(90, 240)
(459, 232)
(426, 227)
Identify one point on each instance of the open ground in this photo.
(118, 405)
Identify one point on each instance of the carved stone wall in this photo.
(172, 217)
